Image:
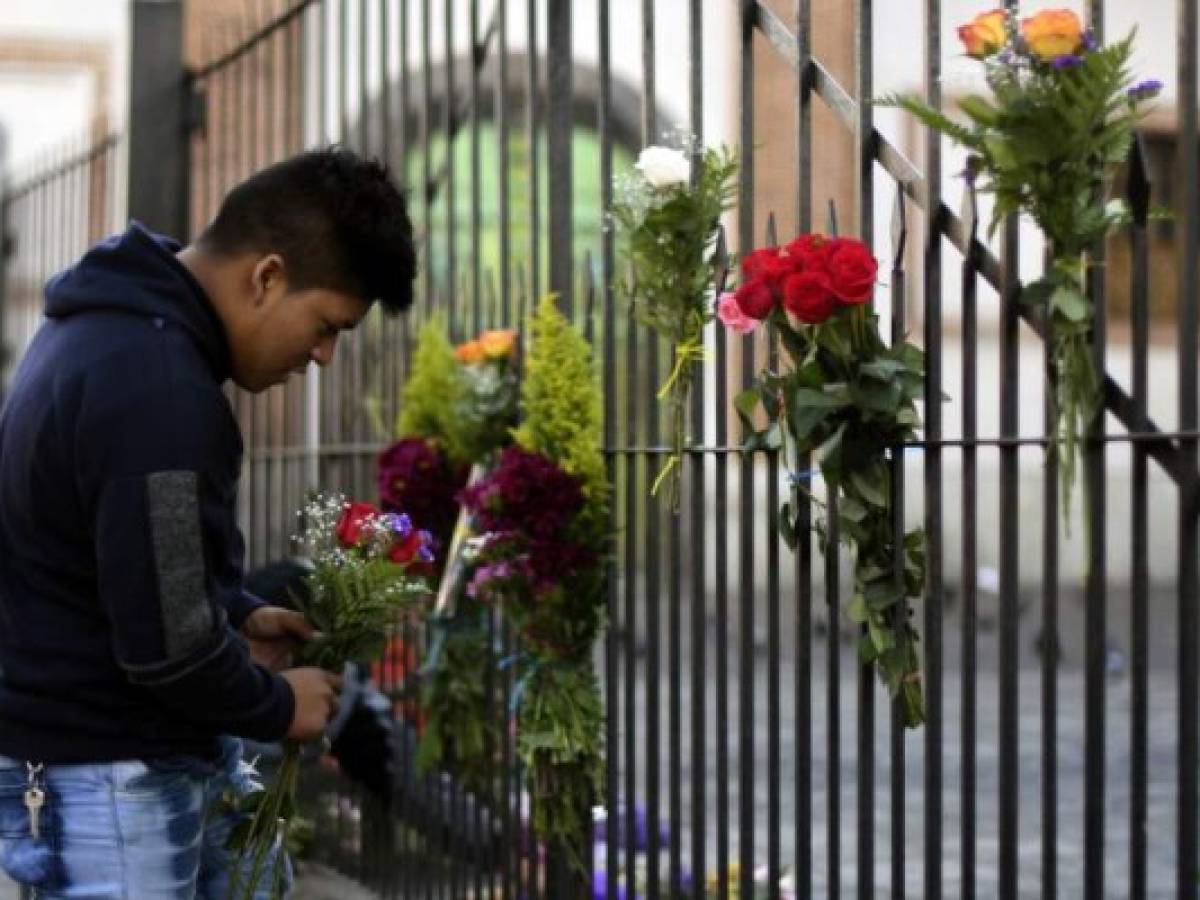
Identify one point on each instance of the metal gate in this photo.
(746, 746)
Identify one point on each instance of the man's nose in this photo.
(322, 354)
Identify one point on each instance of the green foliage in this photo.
(562, 404)
(462, 729)
(353, 608)
(485, 410)
(430, 396)
(558, 739)
(848, 400)
(560, 724)
(668, 236)
(1047, 143)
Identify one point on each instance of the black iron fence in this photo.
(50, 213)
(747, 749)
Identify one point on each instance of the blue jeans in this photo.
(128, 830)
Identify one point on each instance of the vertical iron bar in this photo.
(746, 592)
(560, 94)
(612, 675)
(476, 177)
(1188, 235)
(502, 138)
(427, 196)
(803, 652)
(1051, 643)
(899, 299)
(448, 194)
(721, 579)
(697, 494)
(532, 86)
(1097, 611)
(970, 555)
(933, 463)
(1009, 582)
(866, 228)
(1139, 292)
(652, 510)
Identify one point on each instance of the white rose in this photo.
(663, 167)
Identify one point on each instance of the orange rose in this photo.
(470, 352)
(1053, 33)
(498, 344)
(986, 34)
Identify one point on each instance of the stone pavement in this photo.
(313, 883)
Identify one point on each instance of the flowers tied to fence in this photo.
(669, 217)
(540, 518)
(369, 567)
(459, 407)
(1059, 121)
(847, 399)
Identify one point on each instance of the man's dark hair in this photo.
(337, 220)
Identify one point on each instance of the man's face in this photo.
(282, 330)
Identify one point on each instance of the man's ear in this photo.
(268, 278)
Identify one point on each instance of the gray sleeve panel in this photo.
(174, 513)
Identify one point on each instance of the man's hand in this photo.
(316, 693)
(274, 634)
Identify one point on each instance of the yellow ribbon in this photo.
(672, 462)
(686, 353)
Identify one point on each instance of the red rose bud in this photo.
(809, 251)
(809, 297)
(352, 525)
(415, 552)
(755, 263)
(755, 298)
(406, 549)
(852, 272)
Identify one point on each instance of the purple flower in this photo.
(1144, 90)
(641, 829)
(600, 886)
(400, 523)
(1090, 44)
(1069, 61)
(417, 478)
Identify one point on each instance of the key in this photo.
(35, 798)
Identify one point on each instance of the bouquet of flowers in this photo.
(486, 405)
(540, 519)
(848, 399)
(416, 476)
(534, 560)
(1048, 140)
(670, 217)
(366, 566)
(463, 428)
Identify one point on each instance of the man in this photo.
(123, 619)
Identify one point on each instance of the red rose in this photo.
(755, 298)
(351, 525)
(809, 297)
(767, 264)
(755, 262)
(406, 549)
(852, 272)
(809, 251)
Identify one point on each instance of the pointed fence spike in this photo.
(1139, 186)
(721, 255)
(899, 228)
(589, 294)
(831, 227)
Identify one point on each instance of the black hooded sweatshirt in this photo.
(120, 556)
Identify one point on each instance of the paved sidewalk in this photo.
(314, 883)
